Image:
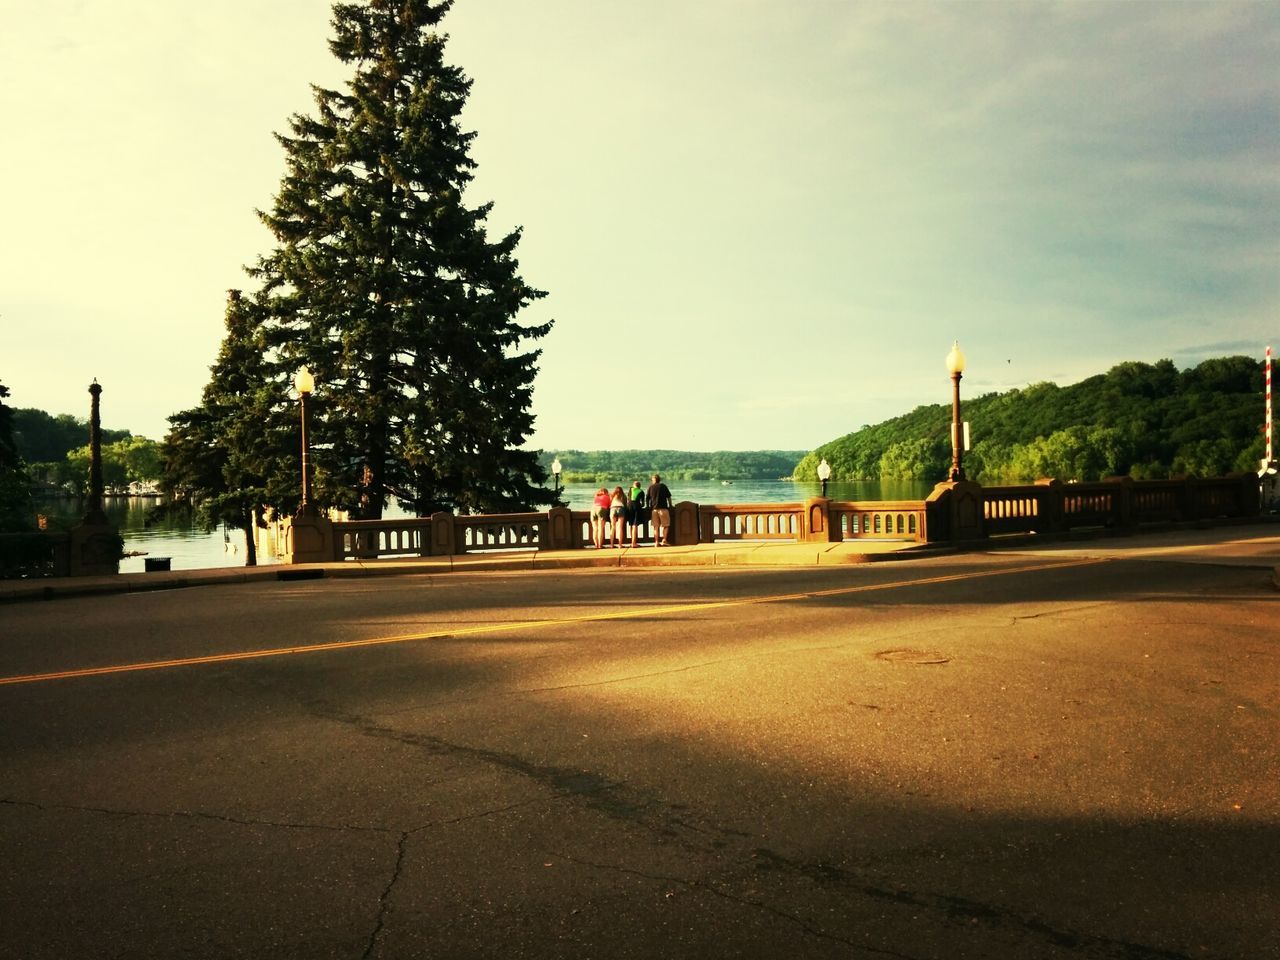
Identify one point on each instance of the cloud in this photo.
(1223, 348)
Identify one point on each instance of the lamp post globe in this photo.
(556, 468)
(824, 474)
(955, 367)
(303, 381)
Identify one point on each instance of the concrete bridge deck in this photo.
(1042, 751)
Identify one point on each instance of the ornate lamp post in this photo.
(556, 467)
(955, 367)
(95, 515)
(824, 474)
(305, 384)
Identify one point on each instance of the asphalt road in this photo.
(1065, 753)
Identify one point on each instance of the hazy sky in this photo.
(761, 225)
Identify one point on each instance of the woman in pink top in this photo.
(600, 516)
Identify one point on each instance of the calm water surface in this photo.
(190, 547)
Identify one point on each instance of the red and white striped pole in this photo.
(1268, 427)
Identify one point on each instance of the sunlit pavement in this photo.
(732, 553)
(1062, 752)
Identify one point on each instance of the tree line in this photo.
(1148, 421)
(599, 466)
(54, 451)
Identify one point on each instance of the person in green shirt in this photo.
(636, 514)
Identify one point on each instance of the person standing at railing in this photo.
(635, 509)
(617, 518)
(659, 499)
(599, 517)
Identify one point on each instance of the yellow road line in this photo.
(490, 628)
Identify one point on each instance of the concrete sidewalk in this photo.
(726, 553)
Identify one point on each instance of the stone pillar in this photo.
(95, 550)
(308, 538)
(442, 536)
(1269, 487)
(95, 544)
(1050, 505)
(953, 512)
(816, 525)
(559, 530)
(1250, 494)
(684, 523)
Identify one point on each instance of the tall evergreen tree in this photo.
(385, 282)
(236, 453)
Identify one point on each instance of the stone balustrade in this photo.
(879, 520)
(750, 521)
(1051, 507)
(953, 512)
(83, 551)
(368, 539)
(40, 553)
(315, 539)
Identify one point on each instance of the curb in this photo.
(727, 554)
(735, 555)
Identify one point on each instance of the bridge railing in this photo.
(35, 555)
(506, 531)
(1020, 509)
(952, 512)
(749, 521)
(441, 534)
(1050, 506)
(369, 539)
(581, 525)
(878, 520)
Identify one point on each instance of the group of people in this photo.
(613, 513)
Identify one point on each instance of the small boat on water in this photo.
(726, 483)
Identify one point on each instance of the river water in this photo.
(191, 547)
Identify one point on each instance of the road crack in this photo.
(716, 891)
(669, 823)
(959, 908)
(190, 815)
(1058, 612)
(384, 900)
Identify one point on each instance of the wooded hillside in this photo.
(1145, 420)
(592, 466)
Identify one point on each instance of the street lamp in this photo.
(305, 384)
(824, 474)
(556, 467)
(95, 515)
(955, 367)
